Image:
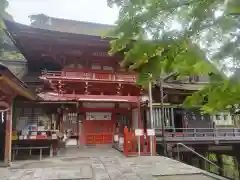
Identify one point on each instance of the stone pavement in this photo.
(101, 164)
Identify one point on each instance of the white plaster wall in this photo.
(227, 121)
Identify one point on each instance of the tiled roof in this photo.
(76, 27)
(185, 86)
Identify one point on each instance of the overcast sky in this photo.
(82, 10)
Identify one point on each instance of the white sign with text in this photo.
(150, 132)
(139, 132)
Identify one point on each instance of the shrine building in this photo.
(82, 90)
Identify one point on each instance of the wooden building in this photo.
(93, 96)
(83, 92)
(11, 88)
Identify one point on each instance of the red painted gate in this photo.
(99, 131)
(131, 144)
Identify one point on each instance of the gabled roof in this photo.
(185, 86)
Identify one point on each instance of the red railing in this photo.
(131, 144)
(90, 75)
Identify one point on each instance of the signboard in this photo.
(150, 132)
(98, 116)
(139, 132)
(121, 140)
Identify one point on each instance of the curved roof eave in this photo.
(16, 28)
(17, 83)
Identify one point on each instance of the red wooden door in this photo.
(98, 131)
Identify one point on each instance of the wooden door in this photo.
(99, 131)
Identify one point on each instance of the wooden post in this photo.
(162, 118)
(78, 128)
(125, 145)
(8, 138)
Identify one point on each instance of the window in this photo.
(218, 117)
(225, 117)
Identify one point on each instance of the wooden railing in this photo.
(91, 75)
(199, 134)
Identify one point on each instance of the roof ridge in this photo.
(85, 22)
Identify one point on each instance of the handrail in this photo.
(221, 128)
(194, 152)
(200, 132)
(89, 71)
(92, 75)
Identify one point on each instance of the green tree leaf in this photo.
(190, 37)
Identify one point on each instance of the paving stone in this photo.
(49, 174)
(132, 176)
(86, 172)
(146, 176)
(15, 174)
(114, 173)
(4, 173)
(38, 173)
(98, 164)
(102, 176)
(27, 174)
